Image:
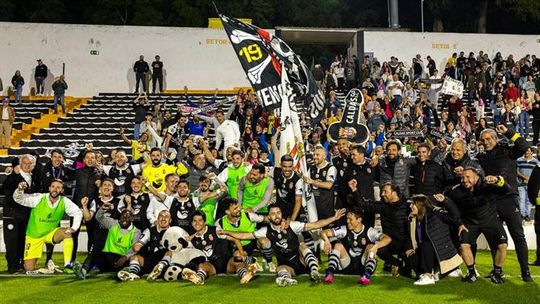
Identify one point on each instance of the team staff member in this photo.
(48, 209)
(500, 160)
(15, 215)
(533, 190)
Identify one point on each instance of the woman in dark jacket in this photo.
(429, 245)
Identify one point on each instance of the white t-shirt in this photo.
(397, 87)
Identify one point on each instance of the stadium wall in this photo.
(201, 58)
(440, 46)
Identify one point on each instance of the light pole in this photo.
(422, 13)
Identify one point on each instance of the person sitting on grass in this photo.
(48, 209)
(119, 245)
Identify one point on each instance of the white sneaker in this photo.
(425, 280)
(437, 276)
(154, 275)
(282, 282)
(190, 275)
(127, 276)
(456, 273)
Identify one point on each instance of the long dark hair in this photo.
(423, 205)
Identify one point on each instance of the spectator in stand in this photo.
(535, 112)
(141, 106)
(17, 81)
(396, 87)
(454, 108)
(511, 93)
(157, 74)
(8, 117)
(140, 68)
(40, 74)
(350, 76)
(59, 88)
(318, 74)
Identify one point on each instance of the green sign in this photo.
(94, 52)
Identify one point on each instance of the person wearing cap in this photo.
(8, 117)
(59, 87)
(40, 74)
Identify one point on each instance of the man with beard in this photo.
(208, 197)
(156, 172)
(149, 251)
(362, 171)
(255, 190)
(234, 172)
(238, 220)
(216, 249)
(289, 188)
(342, 162)
(15, 216)
(105, 200)
(176, 134)
(499, 159)
(293, 257)
(87, 179)
(396, 169)
(197, 168)
(394, 211)
(183, 206)
(48, 209)
(321, 176)
(121, 238)
(121, 173)
(427, 174)
(356, 250)
(55, 169)
(476, 200)
(137, 201)
(456, 160)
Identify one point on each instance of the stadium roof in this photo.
(313, 35)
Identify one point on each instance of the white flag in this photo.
(292, 142)
(452, 87)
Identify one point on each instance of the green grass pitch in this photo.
(226, 289)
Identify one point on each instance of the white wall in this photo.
(405, 45)
(201, 58)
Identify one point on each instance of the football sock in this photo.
(134, 267)
(333, 261)
(311, 260)
(68, 250)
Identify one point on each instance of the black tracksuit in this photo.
(16, 219)
(501, 160)
(427, 178)
(533, 189)
(394, 221)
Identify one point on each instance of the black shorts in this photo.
(108, 262)
(325, 206)
(355, 267)
(295, 263)
(493, 230)
(219, 262)
(249, 248)
(152, 259)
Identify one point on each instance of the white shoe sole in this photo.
(283, 282)
(127, 276)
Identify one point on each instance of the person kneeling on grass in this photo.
(119, 246)
(293, 257)
(216, 249)
(48, 209)
(149, 250)
(429, 245)
(356, 251)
